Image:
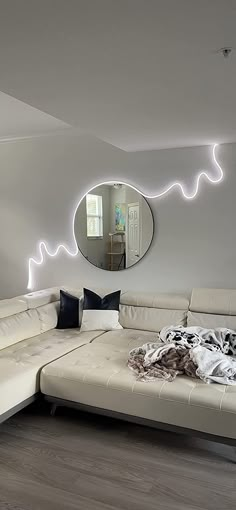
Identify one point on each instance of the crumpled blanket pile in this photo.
(193, 351)
(219, 339)
(154, 360)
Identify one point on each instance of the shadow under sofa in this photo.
(89, 370)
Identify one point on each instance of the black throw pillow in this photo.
(69, 311)
(93, 301)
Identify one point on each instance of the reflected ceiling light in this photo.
(43, 246)
(117, 185)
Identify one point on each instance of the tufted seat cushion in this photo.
(20, 363)
(126, 338)
(97, 375)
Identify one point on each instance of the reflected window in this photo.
(94, 213)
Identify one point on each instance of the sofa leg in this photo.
(53, 409)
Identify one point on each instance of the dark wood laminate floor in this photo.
(86, 462)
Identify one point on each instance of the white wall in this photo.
(42, 180)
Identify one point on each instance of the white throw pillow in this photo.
(104, 320)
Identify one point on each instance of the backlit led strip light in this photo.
(43, 246)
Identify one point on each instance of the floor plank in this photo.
(88, 462)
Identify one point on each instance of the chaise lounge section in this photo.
(97, 376)
(28, 341)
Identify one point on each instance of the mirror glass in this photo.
(113, 226)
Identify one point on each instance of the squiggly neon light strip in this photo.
(42, 247)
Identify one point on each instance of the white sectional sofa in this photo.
(89, 370)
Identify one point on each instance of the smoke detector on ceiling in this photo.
(226, 51)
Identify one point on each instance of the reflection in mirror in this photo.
(113, 226)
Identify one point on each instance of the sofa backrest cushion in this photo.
(48, 316)
(152, 311)
(18, 327)
(41, 297)
(212, 308)
(12, 306)
(27, 316)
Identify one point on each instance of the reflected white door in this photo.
(133, 235)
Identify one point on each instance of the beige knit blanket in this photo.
(161, 361)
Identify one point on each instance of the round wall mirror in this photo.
(113, 226)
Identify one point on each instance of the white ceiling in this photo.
(139, 74)
(19, 120)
